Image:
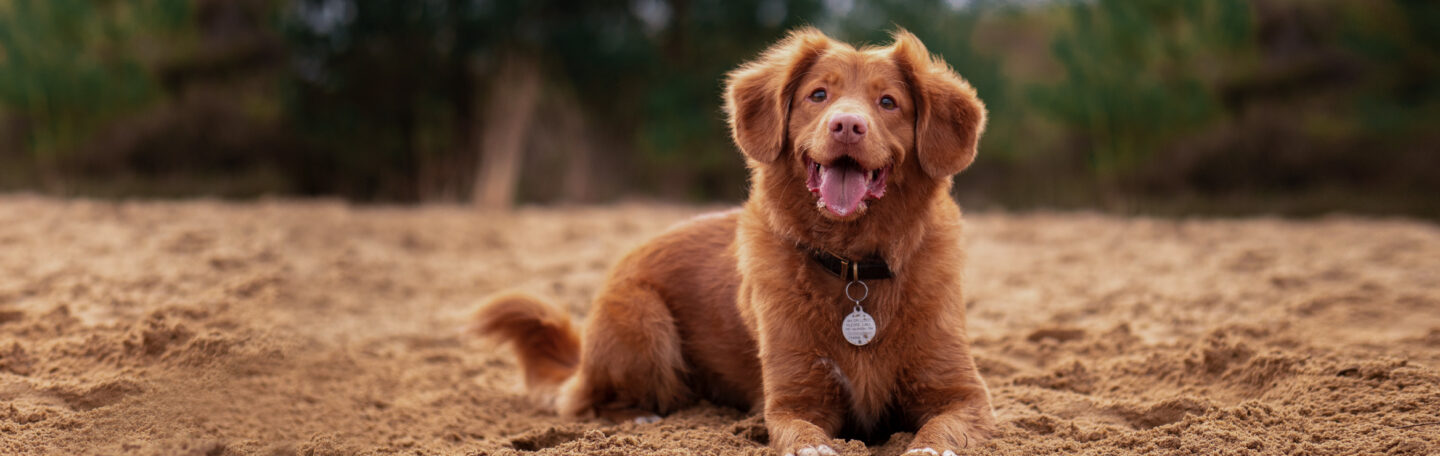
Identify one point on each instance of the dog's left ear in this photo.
(949, 117)
(757, 95)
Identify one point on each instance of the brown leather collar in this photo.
(871, 268)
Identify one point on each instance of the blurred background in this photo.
(1292, 107)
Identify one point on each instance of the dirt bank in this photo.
(284, 328)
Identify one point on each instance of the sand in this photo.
(316, 328)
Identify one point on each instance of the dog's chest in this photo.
(868, 374)
(868, 382)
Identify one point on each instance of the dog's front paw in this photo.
(812, 450)
(807, 450)
(798, 437)
(927, 451)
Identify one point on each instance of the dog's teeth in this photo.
(820, 204)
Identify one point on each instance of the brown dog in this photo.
(851, 154)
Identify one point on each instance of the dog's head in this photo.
(853, 123)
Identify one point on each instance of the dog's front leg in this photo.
(803, 402)
(952, 406)
(946, 433)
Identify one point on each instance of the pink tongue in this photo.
(842, 188)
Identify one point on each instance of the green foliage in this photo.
(68, 66)
(1405, 101)
(1140, 73)
(365, 79)
(680, 127)
(1098, 100)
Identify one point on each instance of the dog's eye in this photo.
(818, 95)
(888, 103)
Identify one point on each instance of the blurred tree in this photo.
(69, 66)
(649, 71)
(513, 95)
(680, 127)
(1091, 102)
(408, 81)
(364, 75)
(1139, 73)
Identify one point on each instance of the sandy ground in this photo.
(283, 328)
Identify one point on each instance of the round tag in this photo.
(858, 327)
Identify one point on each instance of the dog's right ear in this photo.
(949, 115)
(757, 95)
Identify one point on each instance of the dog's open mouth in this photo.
(844, 186)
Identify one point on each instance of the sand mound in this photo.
(283, 328)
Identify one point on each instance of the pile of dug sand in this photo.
(282, 328)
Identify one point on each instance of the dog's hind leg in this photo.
(631, 364)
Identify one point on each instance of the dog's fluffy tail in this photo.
(544, 340)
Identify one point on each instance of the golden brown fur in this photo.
(730, 308)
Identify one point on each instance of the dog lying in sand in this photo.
(831, 300)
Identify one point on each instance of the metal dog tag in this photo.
(858, 327)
